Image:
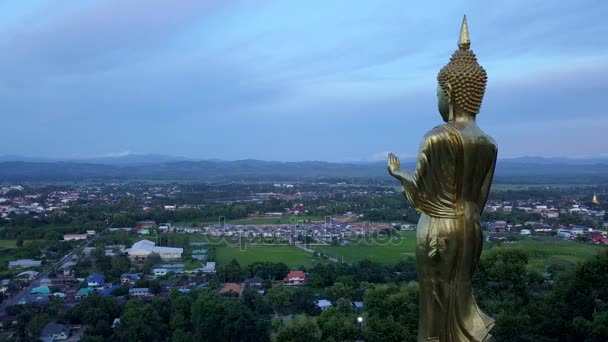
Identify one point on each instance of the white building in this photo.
(70, 237)
(142, 249)
(24, 263)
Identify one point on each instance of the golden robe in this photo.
(449, 187)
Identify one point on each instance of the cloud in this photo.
(287, 81)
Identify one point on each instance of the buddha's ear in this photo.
(448, 90)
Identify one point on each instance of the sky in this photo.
(293, 80)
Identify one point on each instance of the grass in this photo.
(12, 243)
(286, 219)
(382, 250)
(290, 255)
(542, 252)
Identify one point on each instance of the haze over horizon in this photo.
(339, 81)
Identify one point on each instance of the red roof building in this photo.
(295, 278)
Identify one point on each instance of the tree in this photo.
(279, 297)
(392, 312)
(232, 272)
(303, 301)
(223, 318)
(339, 290)
(339, 324)
(301, 328)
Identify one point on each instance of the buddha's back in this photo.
(478, 162)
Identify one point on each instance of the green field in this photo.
(290, 255)
(12, 243)
(383, 250)
(542, 252)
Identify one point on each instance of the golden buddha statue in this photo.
(449, 187)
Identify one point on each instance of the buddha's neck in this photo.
(464, 117)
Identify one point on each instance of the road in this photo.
(26, 290)
(304, 248)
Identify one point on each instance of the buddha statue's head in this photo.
(462, 82)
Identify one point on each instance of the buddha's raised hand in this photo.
(393, 164)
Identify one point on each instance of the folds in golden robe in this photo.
(449, 187)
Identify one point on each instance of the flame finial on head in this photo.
(464, 42)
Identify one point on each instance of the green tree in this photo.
(223, 318)
(301, 328)
(279, 297)
(339, 290)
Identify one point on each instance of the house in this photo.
(41, 290)
(144, 248)
(4, 284)
(254, 282)
(129, 278)
(75, 237)
(46, 281)
(115, 323)
(96, 280)
(230, 288)
(146, 224)
(140, 292)
(209, 267)
(358, 305)
(295, 278)
(55, 332)
(24, 263)
(85, 291)
(35, 299)
(159, 272)
(324, 304)
(109, 290)
(525, 232)
(27, 275)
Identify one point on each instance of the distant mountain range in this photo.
(158, 167)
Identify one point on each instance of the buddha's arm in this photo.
(394, 169)
(487, 184)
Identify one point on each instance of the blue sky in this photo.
(293, 80)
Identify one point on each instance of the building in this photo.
(55, 332)
(96, 280)
(84, 292)
(129, 278)
(209, 267)
(41, 290)
(74, 237)
(144, 248)
(27, 275)
(159, 272)
(24, 263)
(140, 292)
(109, 290)
(230, 288)
(295, 278)
(324, 304)
(254, 282)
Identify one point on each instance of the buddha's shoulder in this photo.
(453, 130)
(441, 132)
